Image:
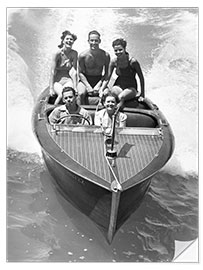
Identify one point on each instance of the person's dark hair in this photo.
(67, 89)
(64, 34)
(119, 41)
(109, 94)
(93, 32)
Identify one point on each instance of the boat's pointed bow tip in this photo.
(109, 241)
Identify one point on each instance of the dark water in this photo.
(48, 228)
(41, 225)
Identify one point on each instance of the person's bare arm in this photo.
(54, 116)
(141, 78)
(52, 73)
(105, 78)
(123, 120)
(74, 71)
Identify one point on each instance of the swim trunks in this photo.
(93, 80)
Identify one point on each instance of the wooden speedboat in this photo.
(107, 188)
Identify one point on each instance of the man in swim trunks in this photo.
(93, 69)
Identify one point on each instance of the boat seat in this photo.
(140, 120)
(94, 100)
(133, 119)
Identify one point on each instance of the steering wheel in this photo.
(75, 115)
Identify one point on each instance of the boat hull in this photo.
(78, 163)
(95, 201)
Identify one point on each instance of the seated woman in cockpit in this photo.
(70, 112)
(104, 117)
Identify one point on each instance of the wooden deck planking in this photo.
(144, 149)
(134, 152)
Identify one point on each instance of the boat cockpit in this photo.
(139, 114)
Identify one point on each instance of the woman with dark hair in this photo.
(104, 117)
(63, 61)
(125, 86)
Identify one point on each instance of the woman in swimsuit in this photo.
(63, 61)
(125, 86)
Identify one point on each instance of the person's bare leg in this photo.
(126, 94)
(82, 93)
(69, 83)
(58, 90)
(118, 92)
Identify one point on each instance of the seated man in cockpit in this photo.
(70, 112)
